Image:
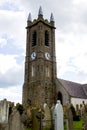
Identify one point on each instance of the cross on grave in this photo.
(40, 116)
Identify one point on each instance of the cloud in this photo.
(10, 24)
(3, 42)
(11, 73)
(14, 94)
(12, 77)
(71, 56)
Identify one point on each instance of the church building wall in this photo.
(65, 95)
(78, 101)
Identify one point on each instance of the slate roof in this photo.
(74, 89)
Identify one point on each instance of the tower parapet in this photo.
(31, 22)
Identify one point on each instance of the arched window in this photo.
(34, 38)
(60, 97)
(46, 38)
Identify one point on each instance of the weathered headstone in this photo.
(4, 111)
(15, 122)
(40, 117)
(58, 113)
(53, 117)
(77, 109)
(69, 116)
(47, 117)
(84, 117)
(35, 122)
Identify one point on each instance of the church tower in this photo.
(40, 61)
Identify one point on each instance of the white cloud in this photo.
(72, 55)
(13, 24)
(11, 73)
(7, 62)
(81, 63)
(14, 94)
(3, 42)
(77, 2)
(2, 2)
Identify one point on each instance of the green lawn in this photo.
(76, 124)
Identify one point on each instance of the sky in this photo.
(70, 37)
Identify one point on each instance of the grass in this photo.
(76, 124)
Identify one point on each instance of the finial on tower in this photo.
(51, 18)
(29, 18)
(40, 13)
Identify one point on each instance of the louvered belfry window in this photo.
(34, 38)
(46, 38)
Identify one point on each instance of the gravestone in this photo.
(53, 117)
(84, 117)
(15, 122)
(35, 122)
(47, 121)
(4, 111)
(69, 117)
(58, 115)
(77, 109)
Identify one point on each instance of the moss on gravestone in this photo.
(35, 123)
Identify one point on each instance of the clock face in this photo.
(47, 56)
(33, 55)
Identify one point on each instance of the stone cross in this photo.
(58, 116)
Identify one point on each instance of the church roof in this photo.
(74, 89)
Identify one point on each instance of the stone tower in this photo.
(40, 61)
